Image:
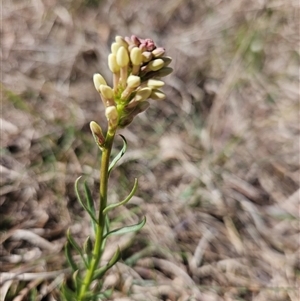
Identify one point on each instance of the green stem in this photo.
(97, 251)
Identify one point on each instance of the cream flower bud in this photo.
(111, 114)
(158, 52)
(122, 57)
(155, 65)
(155, 83)
(112, 63)
(97, 133)
(133, 81)
(115, 47)
(146, 56)
(121, 41)
(143, 94)
(157, 95)
(98, 80)
(136, 56)
(107, 92)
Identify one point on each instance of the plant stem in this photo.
(97, 251)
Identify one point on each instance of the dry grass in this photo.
(218, 161)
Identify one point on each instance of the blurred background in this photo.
(217, 161)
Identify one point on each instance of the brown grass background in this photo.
(217, 161)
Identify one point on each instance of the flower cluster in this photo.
(137, 66)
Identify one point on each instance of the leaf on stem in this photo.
(76, 246)
(86, 208)
(88, 249)
(90, 203)
(69, 257)
(106, 230)
(76, 280)
(127, 229)
(100, 272)
(104, 295)
(93, 296)
(126, 200)
(67, 294)
(119, 155)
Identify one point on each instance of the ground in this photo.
(217, 161)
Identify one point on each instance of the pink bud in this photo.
(135, 40)
(143, 47)
(128, 40)
(150, 45)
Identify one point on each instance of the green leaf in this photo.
(76, 279)
(89, 198)
(105, 231)
(67, 294)
(98, 285)
(90, 203)
(93, 296)
(106, 228)
(33, 294)
(91, 214)
(119, 155)
(105, 295)
(127, 229)
(100, 272)
(90, 297)
(88, 249)
(107, 224)
(76, 246)
(69, 257)
(126, 200)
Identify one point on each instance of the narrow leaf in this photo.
(90, 203)
(88, 249)
(82, 203)
(73, 242)
(89, 198)
(106, 230)
(107, 224)
(127, 229)
(105, 295)
(88, 245)
(119, 155)
(126, 200)
(76, 246)
(67, 294)
(76, 280)
(94, 296)
(69, 257)
(90, 297)
(100, 272)
(98, 286)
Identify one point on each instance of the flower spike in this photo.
(137, 66)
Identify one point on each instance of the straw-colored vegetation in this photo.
(217, 161)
